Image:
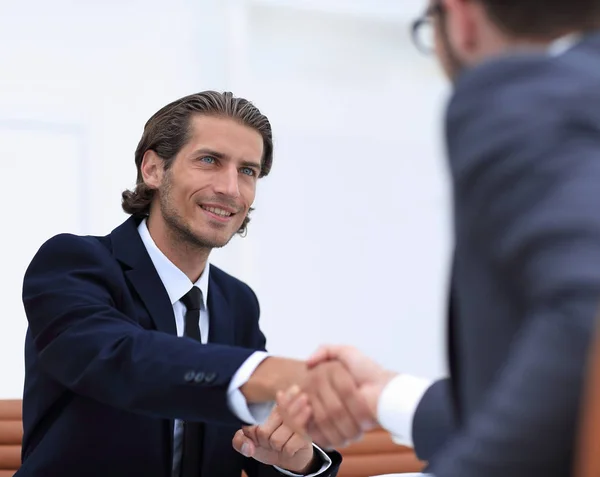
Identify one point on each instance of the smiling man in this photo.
(141, 359)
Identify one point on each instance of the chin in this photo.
(213, 240)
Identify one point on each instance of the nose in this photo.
(227, 182)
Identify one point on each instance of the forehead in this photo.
(226, 136)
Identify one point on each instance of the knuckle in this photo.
(345, 386)
(337, 411)
(262, 433)
(288, 452)
(276, 443)
(322, 419)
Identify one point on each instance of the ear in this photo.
(462, 20)
(152, 169)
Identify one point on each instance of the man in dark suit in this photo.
(523, 138)
(141, 359)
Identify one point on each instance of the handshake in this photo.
(331, 398)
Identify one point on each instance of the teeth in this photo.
(217, 211)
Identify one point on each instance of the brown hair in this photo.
(167, 131)
(543, 19)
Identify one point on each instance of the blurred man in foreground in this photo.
(523, 140)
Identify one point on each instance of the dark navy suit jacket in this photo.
(106, 374)
(523, 136)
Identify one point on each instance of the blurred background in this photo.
(351, 237)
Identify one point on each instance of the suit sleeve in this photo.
(84, 342)
(434, 421)
(256, 469)
(540, 229)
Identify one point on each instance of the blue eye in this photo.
(247, 171)
(208, 159)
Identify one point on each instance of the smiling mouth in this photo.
(218, 212)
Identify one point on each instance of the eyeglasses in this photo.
(423, 32)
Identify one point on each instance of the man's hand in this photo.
(273, 443)
(361, 367)
(271, 376)
(328, 406)
(322, 416)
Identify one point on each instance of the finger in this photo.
(321, 416)
(318, 438)
(242, 444)
(284, 398)
(298, 404)
(298, 417)
(338, 416)
(294, 444)
(294, 409)
(266, 430)
(303, 417)
(250, 433)
(280, 437)
(324, 353)
(358, 410)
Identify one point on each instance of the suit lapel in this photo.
(222, 325)
(151, 290)
(129, 249)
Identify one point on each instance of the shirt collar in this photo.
(564, 44)
(175, 281)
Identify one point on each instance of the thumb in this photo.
(243, 445)
(324, 353)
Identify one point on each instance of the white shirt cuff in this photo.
(324, 457)
(252, 414)
(397, 406)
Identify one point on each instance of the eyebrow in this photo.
(220, 155)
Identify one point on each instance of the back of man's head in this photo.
(543, 19)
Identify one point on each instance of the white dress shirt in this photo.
(400, 398)
(177, 284)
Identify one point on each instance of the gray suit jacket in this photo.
(523, 136)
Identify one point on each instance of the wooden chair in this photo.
(11, 436)
(376, 454)
(587, 460)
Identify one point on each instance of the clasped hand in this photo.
(337, 402)
(273, 443)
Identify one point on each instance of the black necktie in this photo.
(193, 432)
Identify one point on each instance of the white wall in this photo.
(350, 239)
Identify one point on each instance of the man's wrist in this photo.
(372, 392)
(386, 377)
(397, 405)
(272, 375)
(314, 464)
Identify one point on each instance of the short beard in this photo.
(179, 231)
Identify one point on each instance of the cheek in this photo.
(248, 192)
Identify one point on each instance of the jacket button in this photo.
(210, 377)
(189, 376)
(199, 377)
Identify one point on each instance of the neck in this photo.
(189, 258)
(498, 43)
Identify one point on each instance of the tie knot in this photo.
(192, 299)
